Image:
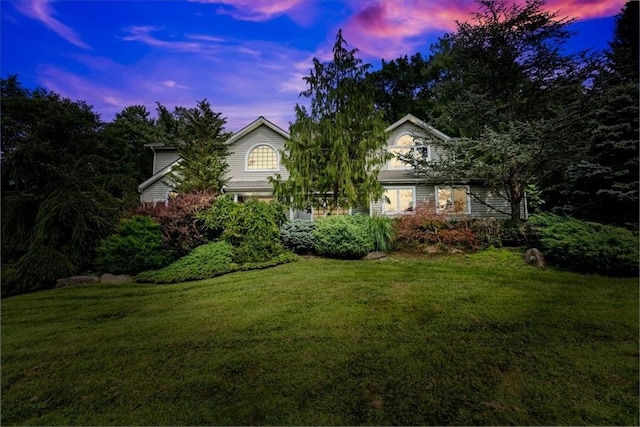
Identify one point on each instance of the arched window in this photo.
(262, 157)
(403, 145)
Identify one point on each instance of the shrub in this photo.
(381, 229)
(347, 237)
(181, 229)
(208, 260)
(587, 247)
(253, 227)
(136, 246)
(414, 231)
(297, 235)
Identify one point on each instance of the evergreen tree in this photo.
(199, 135)
(604, 186)
(335, 150)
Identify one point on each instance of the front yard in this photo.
(463, 339)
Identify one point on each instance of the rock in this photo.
(76, 280)
(432, 249)
(534, 257)
(455, 251)
(116, 278)
(375, 255)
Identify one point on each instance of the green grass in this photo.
(480, 339)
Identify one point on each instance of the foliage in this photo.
(297, 235)
(424, 228)
(206, 261)
(62, 189)
(335, 151)
(200, 138)
(588, 247)
(603, 185)
(253, 227)
(381, 230)
(182, 230)
(346, 237)
(403, 86)
(514, 97)
(136, 246)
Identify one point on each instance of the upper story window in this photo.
(262, 157)
(403, 145)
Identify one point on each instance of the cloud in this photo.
(389, 29)
(143, 35)
(42, 11)
(258, 10)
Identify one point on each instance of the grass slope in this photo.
(479, 339)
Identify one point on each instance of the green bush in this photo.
(136, 246)
(207, 261)
(253, 227)
(297, 235)
(587, 247)
(347, 237)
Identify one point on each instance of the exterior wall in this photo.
(164, 158)
(158, 191)
(237, 160)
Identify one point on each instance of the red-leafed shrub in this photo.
(181, 230)
(424, 227)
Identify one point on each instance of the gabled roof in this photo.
(416, 121)
(158, 175)
(254, 125)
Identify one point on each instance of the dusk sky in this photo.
(247, 57)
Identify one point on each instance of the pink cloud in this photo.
(142, 34)
(42, 11)
(391, 28)
(256, 10)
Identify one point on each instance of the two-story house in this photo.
(256, 156)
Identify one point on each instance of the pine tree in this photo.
(335, 150)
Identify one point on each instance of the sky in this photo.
(246, 57)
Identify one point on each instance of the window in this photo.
(262, 158)
(399, 200)
(452, 200)
(403, 146)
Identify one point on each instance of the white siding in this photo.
(164, 158)
(240, 148)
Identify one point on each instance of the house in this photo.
(256, 156)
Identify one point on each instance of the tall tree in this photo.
(604, 185)
(61, 193)
(335, 150)
(199, 135)
(514, 97)
(403, 86)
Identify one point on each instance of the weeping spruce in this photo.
(336, 149)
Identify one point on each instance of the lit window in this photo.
(452, 200)
(399, 200)
(403, 147)
(262, 157)
(322, 212)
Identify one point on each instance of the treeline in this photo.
(531, 118)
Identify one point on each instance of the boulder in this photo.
(116, 278)
(76, 280)
(375, 255)
(534, 257)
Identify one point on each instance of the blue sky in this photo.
(247, 57)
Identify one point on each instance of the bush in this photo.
(381, 229)
(297, 235)
(207, 261)
(587, 247)
(136, 246)
(252, 228)
(415, 231)
(346, 237)
(181, 229)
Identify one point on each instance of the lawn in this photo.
(461, 339)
